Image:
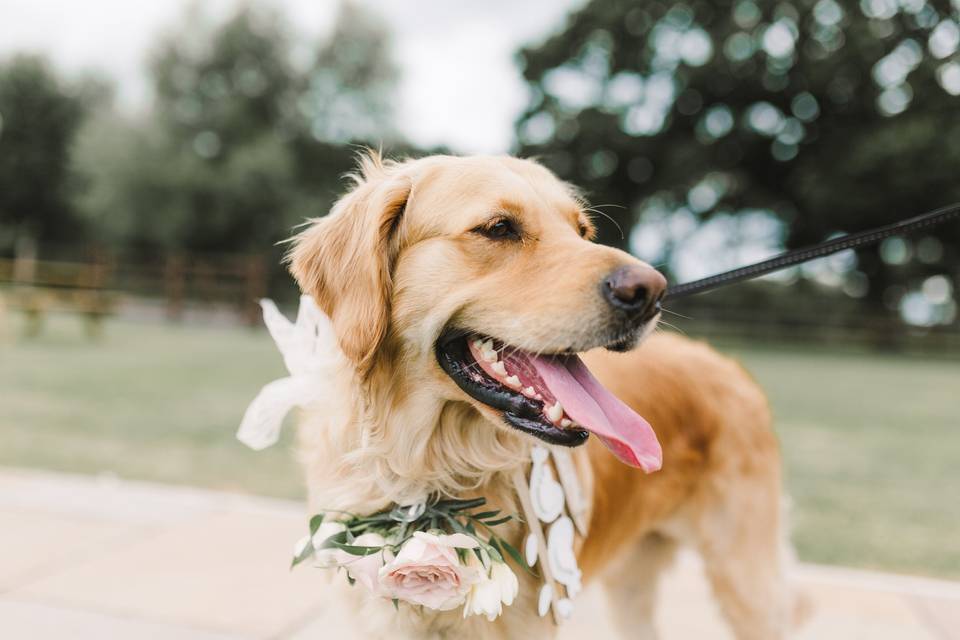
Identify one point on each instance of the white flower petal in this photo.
(300, 546)
(313, 356)
(326, 530)
(369, 540)
(263, 419)
(484, 600)
(459, 541)
(507, 582)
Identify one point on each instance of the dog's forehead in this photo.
(451, 189)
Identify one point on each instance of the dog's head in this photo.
(474, 281)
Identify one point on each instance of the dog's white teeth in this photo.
(489, 356)
(513, 382)
(555, 412)
(529, 392)
(499, 368)
(566, 423)
(487, 345)
(538, 397)
(478, 343)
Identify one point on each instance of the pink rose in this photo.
(427, 571)
(366, 569)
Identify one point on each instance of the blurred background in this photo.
(153, 155)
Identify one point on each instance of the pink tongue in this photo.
(584, 399)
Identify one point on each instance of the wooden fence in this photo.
(96, 282)
(814, 328)
(96, 285)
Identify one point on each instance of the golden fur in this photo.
(396, 261)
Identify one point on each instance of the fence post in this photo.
(25, 260)
(256, 288)
(25, 274)
(174, 279)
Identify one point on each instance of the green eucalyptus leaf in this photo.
(513, 552)
(494, 551)
(493, 523)
(453, 504)
(334, 540)
(455, 524)
(356, 550)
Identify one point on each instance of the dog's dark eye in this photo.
(500, 229)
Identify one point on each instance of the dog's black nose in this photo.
(636, 289)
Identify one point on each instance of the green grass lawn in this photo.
(872, 443)
(155, 402)
(872, 450)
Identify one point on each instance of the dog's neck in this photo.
(394, 445)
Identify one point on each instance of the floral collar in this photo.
(441, 553)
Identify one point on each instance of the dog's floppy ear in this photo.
(344, 260)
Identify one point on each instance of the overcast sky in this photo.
(459, 84)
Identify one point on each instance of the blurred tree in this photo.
(148, 193)
(217, 173)
(39, 116)
(241, 144)
(219, 86)
(344, 98)
(349, 91)
(832, 116)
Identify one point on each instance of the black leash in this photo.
(798, 256)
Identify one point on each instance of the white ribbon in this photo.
(312, 356)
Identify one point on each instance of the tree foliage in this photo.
(831, 116)
(350, 89)
(39, 116)
(241, 144)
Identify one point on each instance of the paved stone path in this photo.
(84, 557)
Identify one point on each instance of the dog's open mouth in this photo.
(552, 397)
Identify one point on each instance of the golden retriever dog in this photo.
(423, 259)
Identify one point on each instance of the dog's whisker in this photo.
(615, 206)
(680, 315)
(608, 217)
(674, 327)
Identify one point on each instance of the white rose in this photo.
(493, 590)
(326, 558)
(506, 580)
(483, 600)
